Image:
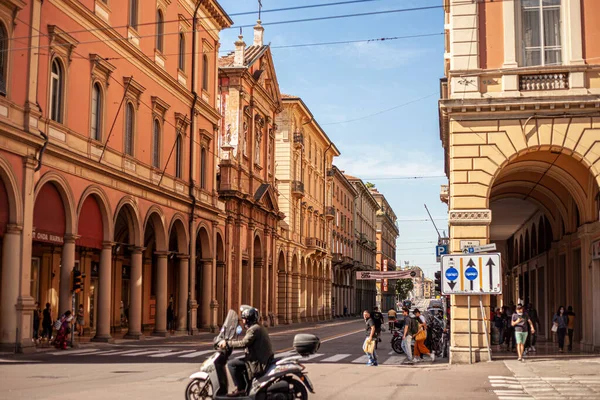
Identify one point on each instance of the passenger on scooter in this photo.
(257, 349)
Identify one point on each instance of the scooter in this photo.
(283, 379)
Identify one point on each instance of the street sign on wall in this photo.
(440, 250)
(376, 275)
(471, 274)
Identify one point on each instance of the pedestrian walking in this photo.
(420, 337)
(63, 330)
(391, 319)
(411, 327)
(519, 321)
(560, 323)
(37, 316)
(170, 318)
(378, 319)
(510, 331)
(47, 323)
(345, 310)
(499, 324)
(369, 343)
(535, 320)
(79, 322)
(570, 326)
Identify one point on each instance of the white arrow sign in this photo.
(485, 248)
(471, 274)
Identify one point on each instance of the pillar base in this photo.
(161, 333)
(23, 348)
(103, 339)
(460, 355)
(181, 332)
(134, 335)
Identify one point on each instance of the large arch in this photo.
(64, 190)
(221, 278)
(129, 207)
(105, 209)
(13, 195)
(258, 266)
(282, 288)
(204, 268)
(178, 275)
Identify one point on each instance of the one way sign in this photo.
(471, 274)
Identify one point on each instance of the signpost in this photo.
(488, 248)
(440, 250)
(375, 275)
(473, 273)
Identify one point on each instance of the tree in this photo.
(370, 185)
(403, 287)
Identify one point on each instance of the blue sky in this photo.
(350, 81)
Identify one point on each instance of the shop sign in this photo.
(385, 265)
(385, 285)
(596, 250)
(47, 237)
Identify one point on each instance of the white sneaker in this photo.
(432, 356)
(533, 349)
(417, 359)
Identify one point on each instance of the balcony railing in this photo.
(298, 188)
(298, 140)
(550, 81)
(330, 212)
(316, 244)
(348, 261)
(337, 258)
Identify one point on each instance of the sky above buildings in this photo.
(377, 101)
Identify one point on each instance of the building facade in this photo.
(387, 233)
(342, 246)
(519, 121)
(304, 156)
(365, 248)
(250, 101)
(428, 292)
(106, 164)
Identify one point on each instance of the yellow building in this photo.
(427, 288)
(304, 156)
(519, 125)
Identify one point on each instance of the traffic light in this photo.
(438, 282)
(77, 281)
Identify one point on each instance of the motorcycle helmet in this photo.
(250, 314)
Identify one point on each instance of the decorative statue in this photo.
(245, 144)
(258, 141)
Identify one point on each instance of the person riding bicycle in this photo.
(257, 348)
(391, 319)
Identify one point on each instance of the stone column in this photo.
(66, 267)
(10, 292)
(160, 323)
(104, 291)
(182, 314)
(135, 284)
(206, 293)
(586, 312)
(295, 303)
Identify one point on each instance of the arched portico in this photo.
(178, 275)
(204, 276)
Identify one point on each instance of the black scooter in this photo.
(283, 379)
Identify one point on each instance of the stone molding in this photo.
(470, 217)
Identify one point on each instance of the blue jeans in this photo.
(372, 357)
(406, 342)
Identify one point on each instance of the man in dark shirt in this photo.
(378, 319)
(370, 333)
(519, 321)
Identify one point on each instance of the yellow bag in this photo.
(421, 335)
(369, 346)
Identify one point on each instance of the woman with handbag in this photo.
(560, 321)
(420, 348)
(369, 343)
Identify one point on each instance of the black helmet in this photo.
(250, 314)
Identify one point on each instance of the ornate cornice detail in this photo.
(470, 217)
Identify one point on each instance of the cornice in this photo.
(470, 217)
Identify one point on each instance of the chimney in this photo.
(259, 32)
(240, 47)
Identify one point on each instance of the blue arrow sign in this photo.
(452, 274)
(471, 274)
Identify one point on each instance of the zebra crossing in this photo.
(193, 355)
(536, 387)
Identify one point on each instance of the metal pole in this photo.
(487, 340)
(470, 338)
(72, 328)
(431, 218)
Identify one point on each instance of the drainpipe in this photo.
(325, 205)
(192, 134)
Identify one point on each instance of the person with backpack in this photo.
(378, 319)
(411, 327)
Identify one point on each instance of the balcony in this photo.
(337, 258)
(330, 212)
(297, 189)
(444, 193)
(330, 173)
(316, 244)
(347, 261)
(549, 81)
(298, 140)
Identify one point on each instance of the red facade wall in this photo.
(90, 227)
(49, 211)
(590, 11)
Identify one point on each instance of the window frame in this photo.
(179, 156)
(99, 111)
(203, 168)
(156, 143)
(133, 17)
(129, 106)
(542, 47)
(181, 52)
(160, 30)
(4, 59)
(205, 72)
(55, 115)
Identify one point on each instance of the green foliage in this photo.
(403, 287)
(370, 185)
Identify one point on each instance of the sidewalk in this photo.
(203, 337)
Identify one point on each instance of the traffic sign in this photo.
(471, 274)
(484, 249)
(440, 250)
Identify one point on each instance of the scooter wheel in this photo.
(199, 390)
(397, 346)
(299, 390)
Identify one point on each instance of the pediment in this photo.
(265, 196)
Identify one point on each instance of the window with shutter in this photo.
(96, 112)
(160, 30)
(129, 126)
(156, 144)
(3, 59)
(178, 157)
(56, 91)
(181, 51)
(205, 72)
(133, 14)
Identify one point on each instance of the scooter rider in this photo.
(257, 349)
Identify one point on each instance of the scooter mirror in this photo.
(238, 330)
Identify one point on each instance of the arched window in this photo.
(156, 144)
(129, 127)
(133, 14)
(160, 30)
(96, 123)
(3, 59)
(181, 51)
(205, 72)
(178, 157)
(56, 91)
(203, 168)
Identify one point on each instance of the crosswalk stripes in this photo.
(361, 360)
(337, 357)
(196, 354)
(146, 352)
(170, 353)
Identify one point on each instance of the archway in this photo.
(295, 292)
(155, 272)
(178, 276)
(257, 275)
(530, 194)
(222, 276)
(283, 290)
(204, 267)
(303, 289)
